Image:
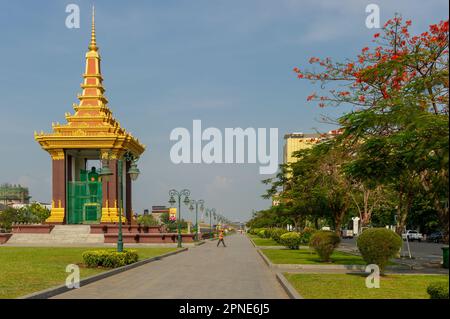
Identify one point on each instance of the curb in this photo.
(50, 292)
(253, 243)
(392, 267)
(291, 292)
(199, 243)
(264, 257)
(285, 284)
(288, 267)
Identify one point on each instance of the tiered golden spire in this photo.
(93, 44)
(93, 123)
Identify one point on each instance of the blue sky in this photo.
(165, 63)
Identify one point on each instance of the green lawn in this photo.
(309, 257)
(263, 241)
(352, 286)
(24, 270)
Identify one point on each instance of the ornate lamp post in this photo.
(178, 194)
(195, 203)
(134, 172)
(210, 212)
(215, 220)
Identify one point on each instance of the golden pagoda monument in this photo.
(80, 194)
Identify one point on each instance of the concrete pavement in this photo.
(204, 271)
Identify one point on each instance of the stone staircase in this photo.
(59, 236)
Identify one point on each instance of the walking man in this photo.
(221, 239)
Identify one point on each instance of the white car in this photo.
(347, 233)
(412, 235)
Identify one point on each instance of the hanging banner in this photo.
(172, 213)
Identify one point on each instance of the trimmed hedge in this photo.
(378, 245)
(324, 242)
(262, 233)
(276, 233)
(291, 240)
(306, 235)
(254, 231)
(109, 258)
(438, 290)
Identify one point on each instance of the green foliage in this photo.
(147, 220)
(305, 235)
(438, 290)
(109, 258)
(172, 225)
(392, 156)
(263, 233)
(254, 231)
(276, 233)
(291, 240)
(378, 245)
(324, 242)
(33, 213)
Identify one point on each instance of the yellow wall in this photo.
(294, 142)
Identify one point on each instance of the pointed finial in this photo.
(93, 44)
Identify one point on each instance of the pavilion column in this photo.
(57, 213)
(110, 195)
(128, 208)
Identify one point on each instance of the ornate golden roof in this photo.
(92, 125)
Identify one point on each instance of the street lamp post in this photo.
(210, 212)
(195, 203)
(172, 201)
(215, 220)
(105, 172)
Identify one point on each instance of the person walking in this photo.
(221, 239)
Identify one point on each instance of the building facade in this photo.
(14, 194)
(294, 142)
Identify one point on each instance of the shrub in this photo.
(109, 258)
(306, 235)
(147, 220)
(277, 232)
(324, 242)
(378, 245)
(438, 290)
(290, 240)
(267, 232)
(264, 233)
(256, 231)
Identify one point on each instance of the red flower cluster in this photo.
(380, 72)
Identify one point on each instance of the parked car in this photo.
(436, 237)
(412, 235)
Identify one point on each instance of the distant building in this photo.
(19, 206)
(157, 211)
(294, 142)
(14, 194)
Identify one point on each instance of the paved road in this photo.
(204, 271)
(422, 249)
(427, 257)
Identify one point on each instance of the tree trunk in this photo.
(443, 217)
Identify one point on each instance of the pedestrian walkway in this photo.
(204, 271)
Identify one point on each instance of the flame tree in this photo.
(394, 144)
(397, 131)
